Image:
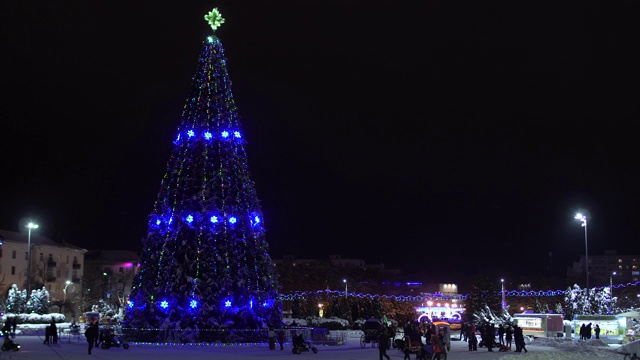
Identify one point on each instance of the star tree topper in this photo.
(214, 18)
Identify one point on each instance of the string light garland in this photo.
(304, 295)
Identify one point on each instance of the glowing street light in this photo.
(30, 226)
(64, 302)
(504, 302)
(65, 289)
(345, 287)
(611, 283)
(583, 219)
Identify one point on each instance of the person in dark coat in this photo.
(489, 336)
(91, 333)
(472, 339)
(597, 331)
(14, 325)
(47, 335)
(508, 336)
(53, 331)
(583, 332)
(518, 337)
(463, 331)
(281, 338)
(501, 334)
(383, 344)
(587, 331)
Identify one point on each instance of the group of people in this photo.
(506, 335)
(51, 333)
(586, 331)
(437, 337)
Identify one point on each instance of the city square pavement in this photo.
(32, 348)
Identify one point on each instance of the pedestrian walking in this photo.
(54, 332)
(438, 347)
(463, 331)
(472, 340)
(272, 339)
(14, 325)
(597, 331)
(518, 337)
(508, 336)
(281, 338)
(91, 333)
(383, 344)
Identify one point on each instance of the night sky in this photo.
(442, 137)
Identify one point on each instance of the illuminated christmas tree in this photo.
(205, 261)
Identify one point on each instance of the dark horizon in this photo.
(451, 136)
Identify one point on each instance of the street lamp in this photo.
(583, 219)
(345, 287)
(504, 303)
(611, 284)
(64, 302)
(30, 226)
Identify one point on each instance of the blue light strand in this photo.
(428, 296)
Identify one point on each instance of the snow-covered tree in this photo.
(540, 308)
(595, 301)
(483, 295)
(486, 315)
(106, 309)
(38, 302)
(558, 309)
(16, 302)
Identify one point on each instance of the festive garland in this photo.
(304, 295)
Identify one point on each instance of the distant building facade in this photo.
(112, 273)
(602, 268)
(52, 264)
(353, 275)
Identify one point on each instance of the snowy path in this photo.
(556, 349)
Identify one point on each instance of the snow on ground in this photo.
(567, 349)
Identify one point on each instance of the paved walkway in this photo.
(32, 348)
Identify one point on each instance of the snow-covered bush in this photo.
(295, 322)
(36, 318)
(331, 323)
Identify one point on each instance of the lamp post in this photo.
(30, 226)
(583, 219)
(504, 302)
(64, 301)
(611, 284)
(345, 287)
